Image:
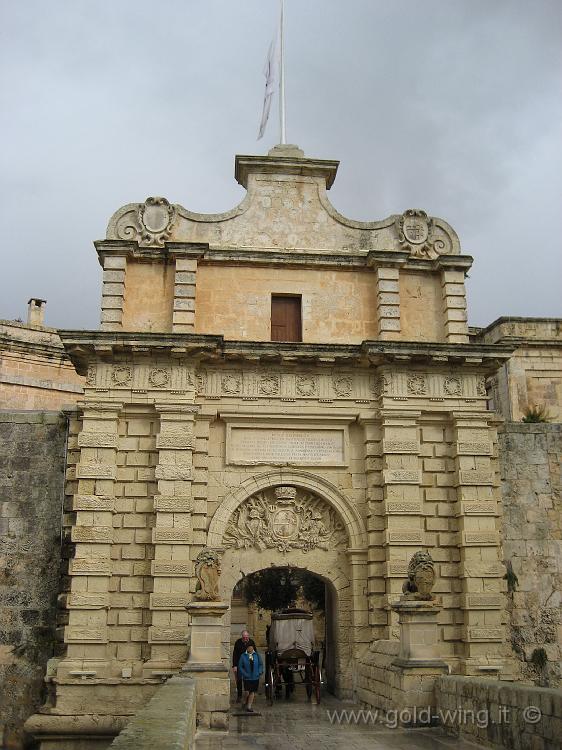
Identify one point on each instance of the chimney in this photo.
(36, 311)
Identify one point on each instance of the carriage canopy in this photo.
(292, 631)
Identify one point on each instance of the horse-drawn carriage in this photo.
(291, 658)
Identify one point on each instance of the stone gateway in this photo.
(344, 431)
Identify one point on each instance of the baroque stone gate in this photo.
(344, 449)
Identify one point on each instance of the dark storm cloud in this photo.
(452, 106)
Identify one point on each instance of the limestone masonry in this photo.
(280, 385)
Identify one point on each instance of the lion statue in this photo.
(207, 570)
(421, 577)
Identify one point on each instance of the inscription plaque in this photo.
(248, 445)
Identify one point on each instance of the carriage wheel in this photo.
(317, 682)
(269, 684)
(308, 678)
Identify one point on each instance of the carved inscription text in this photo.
(286, 446)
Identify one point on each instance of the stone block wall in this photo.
(32, 448)
(377, 679)
(499, 714)
(533, 375)
(35, 372)
(530, 460)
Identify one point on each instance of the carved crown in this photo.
(285, 493)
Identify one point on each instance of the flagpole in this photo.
(282, 80)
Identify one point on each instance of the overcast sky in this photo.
(453, 106)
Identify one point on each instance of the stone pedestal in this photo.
(418, 633)
(205, 663)
(418, 663)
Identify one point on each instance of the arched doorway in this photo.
(258, 595)
(293, 518)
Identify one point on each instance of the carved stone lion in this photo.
(207, 570)
(421, 577)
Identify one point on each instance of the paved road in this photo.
(298, 725)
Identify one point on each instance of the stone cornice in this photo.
(254, 257)
(36, 348)
(286, 165)
(521, 332)
(132, 249)
(85, 347)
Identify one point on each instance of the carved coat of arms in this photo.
(285, 518)
(415, 230)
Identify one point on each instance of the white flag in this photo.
(271, 73)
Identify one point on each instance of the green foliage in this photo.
(313, 589)
(271, 589)
(511, 577)
(539, 658)
(536, 414)
(279, 588)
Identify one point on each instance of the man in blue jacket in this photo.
(250, 668)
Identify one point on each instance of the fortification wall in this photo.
(530, 460)
(32, 448)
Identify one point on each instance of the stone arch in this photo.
(349, 514)
(339, 666)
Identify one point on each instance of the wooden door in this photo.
(286, 318)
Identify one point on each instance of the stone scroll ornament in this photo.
(207, 570)
(415, 233)
(421, 577)
(285, 518)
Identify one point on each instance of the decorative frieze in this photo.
(122, 375)
(92, 534)
(159, 377)
(97, 440)
(401, 476)
(231, 383)
(173, 503)
(474, 448)
(343, 385)
(481, 570)
(417, 385)
(401, 446)
(176, 535)
(88, 600)
(488, 508)
(84, 634)
(307, 385)
(403, 537)
(174, 472)
(93, 502)
(402, 508)
(482, 601)
(394, 569)
(85, 566)
(142, 377)
(475, 477)
(479, 538)
(168, 601)
(452, 386)
(95, 469)
(167, 635)
(172, 569)
(269, 385)
(486, 634)
(361, 385)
